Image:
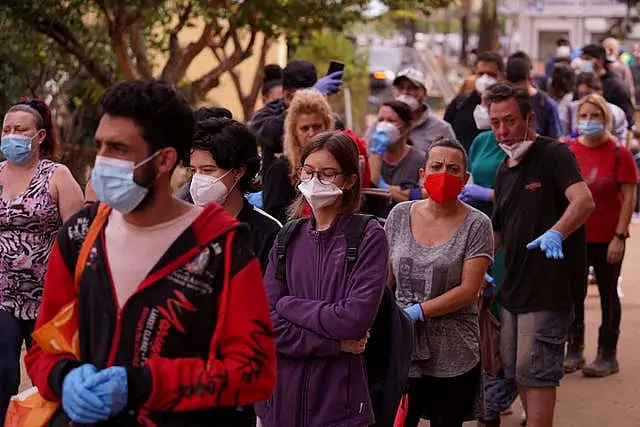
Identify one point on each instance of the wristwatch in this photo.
(620, 236)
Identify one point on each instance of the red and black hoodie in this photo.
(195, 337)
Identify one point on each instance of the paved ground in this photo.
(613, 401)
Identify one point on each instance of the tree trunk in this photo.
(410, 32)
(488, 24)
(464, 28)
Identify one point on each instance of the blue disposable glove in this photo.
(381, 184)
(255, 199)
(415, 313)
(112, 388)
(79, 401)
(489, 287)
(550, 243)
(330, 84)
(379, 142)
(475, 192)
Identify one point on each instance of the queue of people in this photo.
(198, 307)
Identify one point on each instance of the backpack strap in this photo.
(354, 234)
(92, 235)
(284, 237)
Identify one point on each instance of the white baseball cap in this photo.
(415, 76)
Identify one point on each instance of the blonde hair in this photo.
(599, 102)
(305, 101)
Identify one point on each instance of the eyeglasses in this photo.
(325, 176)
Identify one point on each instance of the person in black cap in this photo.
(272, 83)
(594, 59)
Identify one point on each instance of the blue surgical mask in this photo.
(590, 128)
(112, 180)
(586, 66)
(16, 149)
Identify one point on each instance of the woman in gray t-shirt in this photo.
(440, 251)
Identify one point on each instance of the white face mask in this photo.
(390, 130)
(483, 82)
(563, 52)
(206, 189)
(518, 150)
(412, 102)
(481, 117)
(318, 194)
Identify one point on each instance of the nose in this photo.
(502, 131)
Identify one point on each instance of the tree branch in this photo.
(181, 58)
(64, 37)
(201, 86)
(139, 49)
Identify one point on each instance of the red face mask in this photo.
(443, 187)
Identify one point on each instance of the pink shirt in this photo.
(133, 251)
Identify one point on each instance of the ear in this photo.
(239, 173)
(41, 136)
(466, 177)
(423, 177)
(166, 160)
(349, 182)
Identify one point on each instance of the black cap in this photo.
(299, 75)
(563, 40)
(595, 51)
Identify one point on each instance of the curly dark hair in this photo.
(232, 145)
(160, 111)
(42, 114)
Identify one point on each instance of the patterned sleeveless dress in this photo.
(28, 228)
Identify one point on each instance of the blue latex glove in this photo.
(255, 199)
(330, 84)
(490, 287)
(415, 313)
(474, 192)
(550, 243)
(382, 185)
(379, 142)
(79, 401)
(112, 388)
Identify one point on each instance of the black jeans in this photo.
(607, 279)
(13, 332)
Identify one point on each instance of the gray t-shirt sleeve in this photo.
(480, 241)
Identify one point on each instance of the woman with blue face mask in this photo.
(36, 196)
(609, 170)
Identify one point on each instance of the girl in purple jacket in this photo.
(321, 317)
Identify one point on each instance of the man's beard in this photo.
(147, 180)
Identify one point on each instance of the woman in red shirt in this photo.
(609, 170)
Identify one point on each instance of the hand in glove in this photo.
(112, 388)
(550, 243)
(330, 84)
(415, 313)
(382, 185)
(488, 287)
(379, 142)
(79, 400)
(474, 192)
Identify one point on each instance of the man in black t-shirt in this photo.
(540, 206)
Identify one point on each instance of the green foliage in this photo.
(326, 46)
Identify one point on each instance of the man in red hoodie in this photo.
(173, 322)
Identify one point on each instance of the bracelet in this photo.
(620, 236)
